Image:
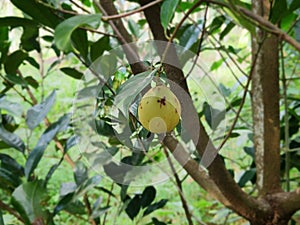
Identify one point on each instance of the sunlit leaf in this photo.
(167, 11)
(27, 200)
(63, 31)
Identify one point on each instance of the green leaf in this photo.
(80, 43)
(63, 32)
(80, 173)
(14, 60)
(98, 48)
(72, 72)
(39, 11)
(240, 19)
(133, 207)
(157, 222)
(189, 36)
(37, 113)
(72, 141)
(130, 89)
(30, 31)
(297, 31)
(11, 139)
(32, 82)
(278, 10)
(9, 180)
(227, 29)
(87, 185)
(102, 128)
(98, 210)
(213, 116)
(134, 28)
(27, 200)
(1, 218)
(167, 11)
(33, 160)
(216, 23)
(224, 90)
(250, 151)
(10, 164)
(294, 5)
(38, 151)
(63, 203)
(106, 65)
(60, 125)
(247, 176)
(216, 64)
(76, 208)
(148, 196)
(14, 79)
(155, 206)
(11, 107)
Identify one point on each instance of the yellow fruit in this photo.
(159, 110)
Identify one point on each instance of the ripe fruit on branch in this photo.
(159, 110)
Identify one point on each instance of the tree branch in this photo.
(289, 202)
(185, 206)
(107, 8)
(122, 15)
(198, 173)
(11, 211)
(261, 22)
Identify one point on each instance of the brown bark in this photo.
(107, 7)
(265, 105)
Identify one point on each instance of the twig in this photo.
(200, 42)
(98, 32)
(89, 209)
(15, 89)
(243, 99)
(107, 203)
(261, 22)
(186, 16)
(11, 211)
(122, 15)
(80, 7)
(180, 190)
(286, 122)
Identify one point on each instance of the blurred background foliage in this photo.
(47, 45)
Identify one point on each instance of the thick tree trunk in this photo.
(265, 105)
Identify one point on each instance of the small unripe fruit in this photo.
(159, 110)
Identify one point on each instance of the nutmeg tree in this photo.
(96, 35)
